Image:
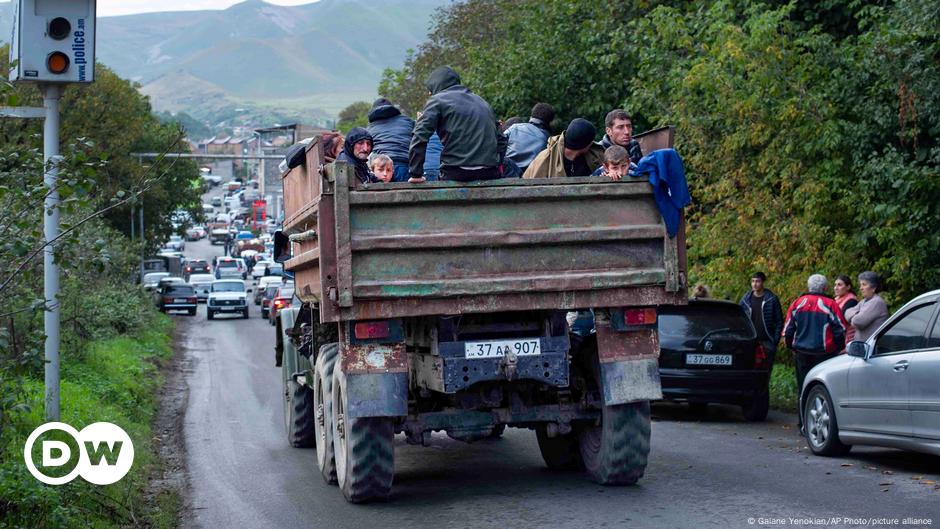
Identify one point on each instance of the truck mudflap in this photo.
(376, 379)
(455, 369)
(629, 361)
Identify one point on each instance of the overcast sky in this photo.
(108, 8)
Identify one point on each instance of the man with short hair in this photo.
(814, 330)
(526, 140)
(467, 126)
(356, 151)
(619, 131)
(763, 308)
(572, 153)
(391, 135)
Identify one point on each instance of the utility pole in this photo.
(50, 155)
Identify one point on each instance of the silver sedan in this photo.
(884, 392)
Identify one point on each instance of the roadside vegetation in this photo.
(112, 338)
(810, 128)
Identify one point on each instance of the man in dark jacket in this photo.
(391, 135)
(763, 308)
(618, 128)
(356, 151)
(467, 126)
(526, 140)
(814, 330)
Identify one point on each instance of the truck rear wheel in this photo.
(365, 456)
(616, 451)
(299, 413)
(560, 452)
(323, 403)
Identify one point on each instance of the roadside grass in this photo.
(783, 395)
(112, 380)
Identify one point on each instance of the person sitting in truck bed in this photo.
(466, 124)
(382, 167)
(356, 151)
(617, 164)
(571, 153)
(618, 129)
(391, 135)
(526, 140)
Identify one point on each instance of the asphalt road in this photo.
(715, 471)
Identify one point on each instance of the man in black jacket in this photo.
(763, 308)
(356, 151)
(467, 126)
(391, 135)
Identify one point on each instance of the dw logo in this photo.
(105, 453)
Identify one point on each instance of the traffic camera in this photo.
(53, 41)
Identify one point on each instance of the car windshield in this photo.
(693, 322)
(175, 238)
(286, 293)
(227, 264)
(180, 290)
(270, 291)
(228, 286)
(154, 277)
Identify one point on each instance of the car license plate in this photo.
(708, 360)
(228, 309)
(179, 300)
(500, 348)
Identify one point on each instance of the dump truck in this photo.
(442, 307)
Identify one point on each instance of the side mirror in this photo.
(858, 349)
(282, 249)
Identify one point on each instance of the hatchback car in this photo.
(264, 283)
(709, 352)
(884, 392)
(230, 267)
(177, 296)
(282, 300)
(201, 283)
(196, 266)
(176, 243)
(257, 271)
(228, 296)
(152, 279)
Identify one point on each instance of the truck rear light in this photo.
(639, 316)
(371, 330)
(761, 359)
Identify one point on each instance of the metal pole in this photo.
(132, 222)
(50, 100)
(143, 241)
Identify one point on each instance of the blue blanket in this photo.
(667, 176)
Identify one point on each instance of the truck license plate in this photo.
(500, 348)
(707, 360)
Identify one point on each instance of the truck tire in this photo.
(364, 450)
(561, 452)
(323, 402)
(616, 451)
(299, 413)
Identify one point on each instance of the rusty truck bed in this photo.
(398, 250)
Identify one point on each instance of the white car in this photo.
(202, 283)
(152, 279)
(227, 296)
(176, 242)
(258, 271)
(230, 267)
(884, 391)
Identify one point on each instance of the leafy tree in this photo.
(355, 115)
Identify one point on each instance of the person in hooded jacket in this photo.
(526, 140)
(467, 126)
(356, 151)
(391, 135)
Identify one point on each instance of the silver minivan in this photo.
(884, 391)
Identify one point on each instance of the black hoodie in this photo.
(464, 121)
(362, 167)
(391, 131)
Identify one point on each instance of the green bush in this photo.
(113, 380)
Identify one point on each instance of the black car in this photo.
(196, 266)
(177, 296)
(709, 352)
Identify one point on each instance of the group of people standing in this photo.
(817, 326)
(458, 137)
